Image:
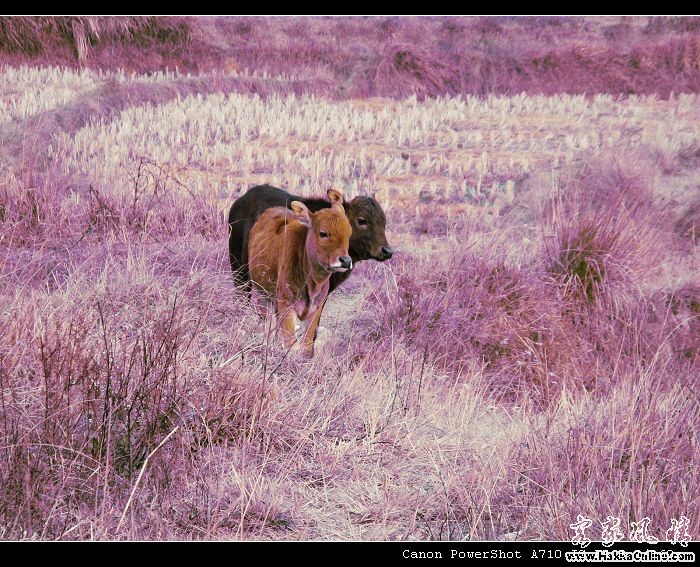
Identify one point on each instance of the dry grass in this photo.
(529, 354)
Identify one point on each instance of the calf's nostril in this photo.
(388, 251)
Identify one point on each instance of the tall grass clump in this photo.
(407, 70)
(592, 256)
(601, 227)
(469, 312)
(608, 240)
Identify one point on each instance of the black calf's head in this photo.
(368, 223)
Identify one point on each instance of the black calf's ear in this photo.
(335, 196)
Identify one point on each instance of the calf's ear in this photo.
(301, 213)
(335, 196)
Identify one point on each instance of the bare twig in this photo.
(138, 480)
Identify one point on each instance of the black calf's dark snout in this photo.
(346, 262)
(387, 252)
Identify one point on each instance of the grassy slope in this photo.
(530, 354)
(360, 57)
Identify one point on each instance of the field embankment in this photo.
(379, 56)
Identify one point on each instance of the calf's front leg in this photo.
(309, 337)
(286, 318)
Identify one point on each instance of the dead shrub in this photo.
(84, 402)
(30, 209)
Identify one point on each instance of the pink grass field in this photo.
(530, 353)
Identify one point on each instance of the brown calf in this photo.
(291, 256)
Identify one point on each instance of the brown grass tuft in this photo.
(688, 223)
(408, 69)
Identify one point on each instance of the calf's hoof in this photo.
(301, 352)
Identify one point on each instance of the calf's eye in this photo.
(323, 234)
(361, 221)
